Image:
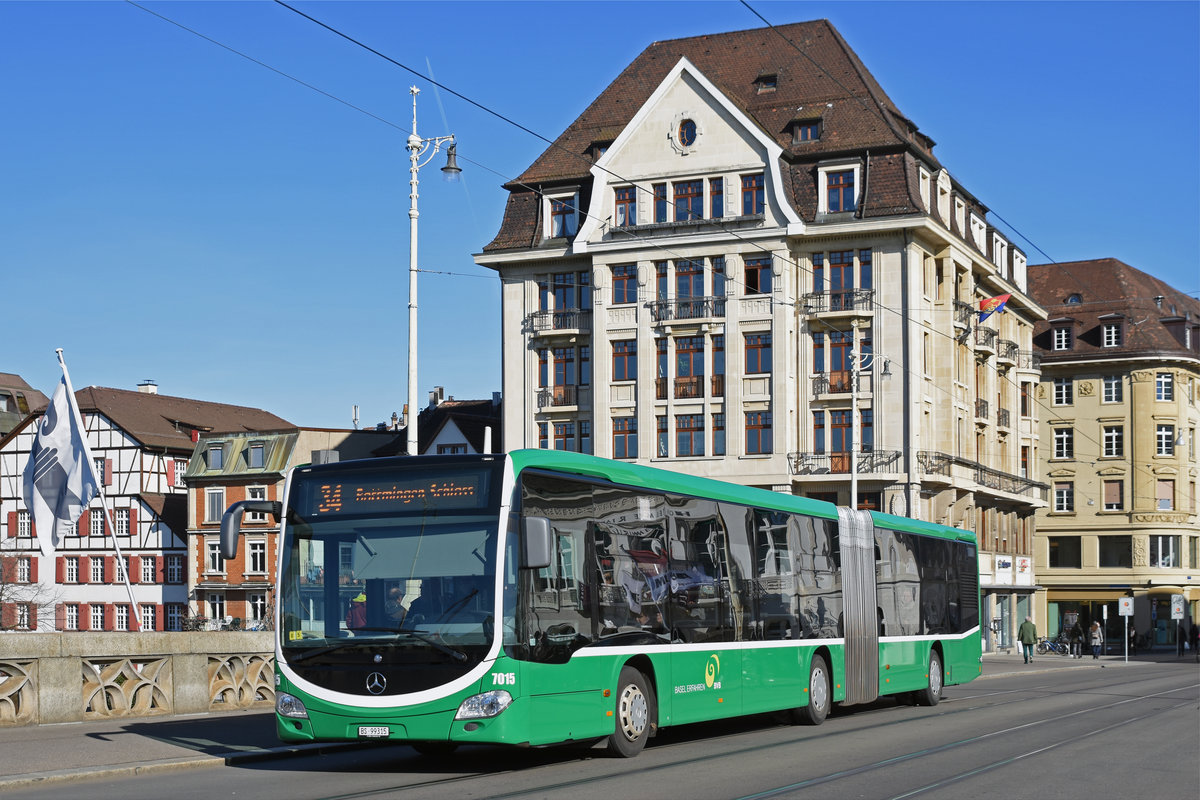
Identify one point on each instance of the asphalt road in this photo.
(1123, 732)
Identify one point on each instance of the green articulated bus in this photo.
(541, 597)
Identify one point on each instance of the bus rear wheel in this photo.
(932, 693)
(634, 712)
(819, 696)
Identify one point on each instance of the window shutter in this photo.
(12, 524)
(158, 617)
(133, 522)
(110, 576)
(135, 569)
(159, 569)
(1112, 492)
(109, 616)
(85, 570)
(33, 568)
(60, 616)
(83, 526)
(33, 609)
(8, 570)
(170, 472)
(8, 615)
(108, 472)
(85, 616)
(60, 569)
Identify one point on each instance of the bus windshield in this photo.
(394, 558)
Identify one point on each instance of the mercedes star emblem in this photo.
(376, 683)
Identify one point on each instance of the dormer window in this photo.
(1110, 330)
(837, 185)
(1074, 299)
(256, 455)
(214, 456)
(766, 83)
(1062, 337)
(806, 130)
(562, 215)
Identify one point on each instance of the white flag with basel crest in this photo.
(60, 480)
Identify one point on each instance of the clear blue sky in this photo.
(171, 210)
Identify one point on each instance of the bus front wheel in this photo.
(634, 712)
(932, 693)
(819, 696)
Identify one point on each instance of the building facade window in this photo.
(1114, 441)
(753, 194)
(626, 205)
(1165, 552)
(256, 603)
(96, 622)
(1065, 552)
(458, 449)
(256, 456)
(840, 191)
(148, 569)
(24, 569)
(1062, 338)
(564, 435)
(256, 493)
(71, 617)
(718, 422)
(1114, 495)
(689, 200)
(97, 570)
(1111, 334)
(1165, 494)
(71, 572)
(806, 131)
(562, 218)
(1064, 497)
(1164, 386)
(716, 197)
(625, 360)
(1064, 443)
(758, 432)
(1064, 391)
(216, 606)
(96, 522)
(1164, 440)
(174, 616)
(758, 353)
(1112, 389)
(758, 276)
(121, 520)
(121, 613)
(660, 423)
(660, 202)
(214, 456)
(214, 504)
(174, 569)
(257, 562)
(1116, 552)
(624, 284)
(689, 435)
(624, 437)
(214, 563)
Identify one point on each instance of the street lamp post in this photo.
(417, 148)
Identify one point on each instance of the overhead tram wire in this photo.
(648, 242)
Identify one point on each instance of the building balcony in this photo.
(1008, 351)
(938, 467)
(718, 385)
(963, 312)
(1003, 418)
(565, 321)
(985, 339)
(559, 396)
(855, 301)
(981, 410)
(689, 388)
(832, 463)
(687, 309)
(1027, 359)
(840, 381)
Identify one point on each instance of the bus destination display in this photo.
(395, 494)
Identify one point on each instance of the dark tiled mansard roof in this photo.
(856, 115)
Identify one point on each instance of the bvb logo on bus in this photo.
(712, 671)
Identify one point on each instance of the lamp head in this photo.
(451, 171)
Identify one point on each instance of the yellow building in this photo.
(1119, 411)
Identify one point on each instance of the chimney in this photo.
(324, 456)
(435, 397)
(148, 386)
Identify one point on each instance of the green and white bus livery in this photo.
(542, 597)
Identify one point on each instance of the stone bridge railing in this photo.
(75, 677)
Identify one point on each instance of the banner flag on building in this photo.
(60, 479)
(992, 305)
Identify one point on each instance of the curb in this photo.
(64, 776)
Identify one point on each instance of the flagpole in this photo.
(91, 464)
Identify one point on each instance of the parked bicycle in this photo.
(1057, 646)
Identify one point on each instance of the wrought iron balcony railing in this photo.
(869, 461)
(687, 308)
(840, 300)
(567, 319)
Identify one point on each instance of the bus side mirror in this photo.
(537, 543)
(231, 521)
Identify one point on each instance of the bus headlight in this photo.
(482, 706)
(287, 705)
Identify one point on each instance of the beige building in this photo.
(732, 250)
(1120, 366)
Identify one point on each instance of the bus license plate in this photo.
(374, 731)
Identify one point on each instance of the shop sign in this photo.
(1024, 571)
(1004, 571)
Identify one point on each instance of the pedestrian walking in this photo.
(1097, 637)
(1027, 636)
(1195, 639)
(1076, 636)
(1180, 640)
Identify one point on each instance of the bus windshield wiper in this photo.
(457, 655)
(320, 651)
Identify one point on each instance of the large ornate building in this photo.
(744, 261)
(1120, 367)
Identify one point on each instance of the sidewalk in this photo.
(41, 755)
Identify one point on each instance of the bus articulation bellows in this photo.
(541, 597)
